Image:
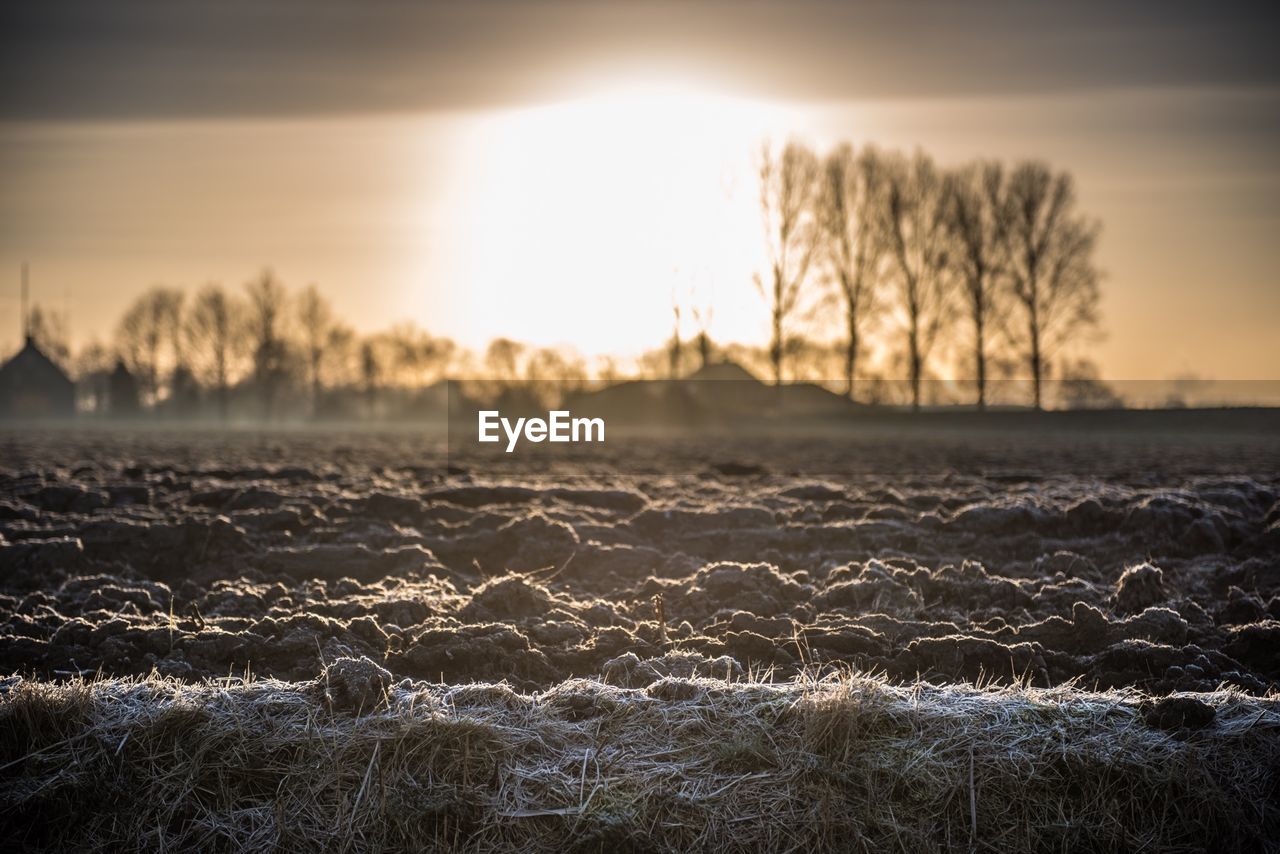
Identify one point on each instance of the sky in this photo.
(562, 173)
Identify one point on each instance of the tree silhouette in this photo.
(788, 182)
(152, 320)
(979, 223)
(172, 312)
(340, 352)
(674, 346)
(267, 303)
(370, 374)
(502, 357)
(1051, 270)
(315, 319)
(92, 370)
(416, 354)
(853, 186)
(702, 319)
(212, 329)
(916, 224)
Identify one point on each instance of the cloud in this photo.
(135, 60)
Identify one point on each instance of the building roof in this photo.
(32, 361)
(32, 384)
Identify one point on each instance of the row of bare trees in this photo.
(994, 261)
(271, 350)
(262, 337)
(998, 256)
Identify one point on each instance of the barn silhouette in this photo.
(33, 386)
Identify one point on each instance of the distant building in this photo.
(184, 394)
(32, 386)
(122, 392)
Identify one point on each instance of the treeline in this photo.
(884, 272)
(266, 350)
(994, 260)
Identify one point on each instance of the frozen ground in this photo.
(1152, 564)
(1077, 563)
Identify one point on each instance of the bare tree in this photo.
(266, 309)
(416, 354)
(340, 352)
(979, 223)
(212, 331)
(150, 322)
(606, 370)
(437, 354)
(788, 184)
(173, 300)
(562, 365)
(853, 186)
(315, 318)
(702, 318)
(137, 340)
(564, 369)
(501, 359)
(370, 374)
(1082, 388)
(674, 346)
(916, 224)
(92, 370)
(1051, 269)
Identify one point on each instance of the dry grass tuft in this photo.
(848, 763)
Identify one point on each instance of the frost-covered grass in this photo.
(847, 763)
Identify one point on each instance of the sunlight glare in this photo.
(612, 204)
